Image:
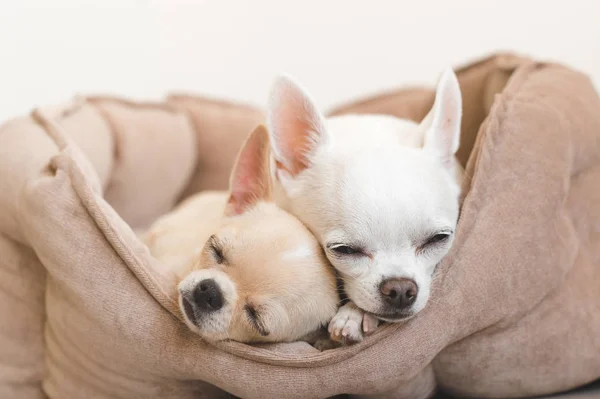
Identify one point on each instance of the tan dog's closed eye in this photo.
(249, 271)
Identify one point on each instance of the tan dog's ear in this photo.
(295, 125)
(250, 179)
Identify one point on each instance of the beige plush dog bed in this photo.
(85, 312)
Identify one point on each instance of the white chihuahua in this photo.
(380, 193)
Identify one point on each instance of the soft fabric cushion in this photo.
(221, 128)
(155, 155)
(22, 317)
(24, 152)
(146, 150)
(515, 310)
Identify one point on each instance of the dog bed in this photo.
(85, 311)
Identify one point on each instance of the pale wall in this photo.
(52, 49)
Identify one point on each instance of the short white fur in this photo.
(378, 183)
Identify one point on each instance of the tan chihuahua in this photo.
(249, 271)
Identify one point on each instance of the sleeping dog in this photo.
(380, 193)
(248, 271)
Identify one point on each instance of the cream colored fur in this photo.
(272, 267)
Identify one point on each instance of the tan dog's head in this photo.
(262, 277)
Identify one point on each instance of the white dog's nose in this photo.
(399, 293)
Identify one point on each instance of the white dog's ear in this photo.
(250, 180)
(441, 126)
(295, 125)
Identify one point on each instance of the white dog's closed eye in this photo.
(380, 193)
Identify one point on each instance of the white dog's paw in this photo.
(346, 325)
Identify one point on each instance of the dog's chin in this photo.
(197, 328)
(391, 315)
(395, 317)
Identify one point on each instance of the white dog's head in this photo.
(380, 193)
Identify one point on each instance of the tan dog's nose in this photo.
(206, 297)
(400, 293)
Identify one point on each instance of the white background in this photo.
(339, 49)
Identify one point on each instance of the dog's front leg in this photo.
(350, 324)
